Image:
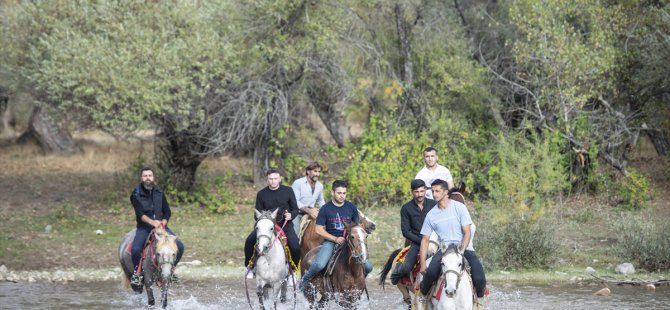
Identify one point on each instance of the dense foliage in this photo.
(643, 241)
(525, 100)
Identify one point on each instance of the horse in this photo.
(456, 291)
(348, 275)
(310, 239)
(408, 288)
(271, 268)
(158, 260)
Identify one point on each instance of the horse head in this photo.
(433, 245)
(166, 252)
(367, 223)
(357, 238)
(265, 230)
(453, 267)
(456, 193)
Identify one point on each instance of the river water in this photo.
(229, 294)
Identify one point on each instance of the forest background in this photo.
(555, 114)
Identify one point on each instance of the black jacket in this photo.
(411, 219)
(282, 198)
(150, 203)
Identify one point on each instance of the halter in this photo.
(351, 249)
(458, 276)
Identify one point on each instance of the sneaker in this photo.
(249, 275)
(136, 280)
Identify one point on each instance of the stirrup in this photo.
(136, 279)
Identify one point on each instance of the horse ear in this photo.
(172, 238)
(462, 188)
(461, 247)
(274, 213)
(258, 214)
(443, 247)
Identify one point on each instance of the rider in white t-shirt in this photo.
(433, 171)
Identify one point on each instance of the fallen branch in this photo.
(633, 282)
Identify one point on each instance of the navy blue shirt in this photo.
(333, 217)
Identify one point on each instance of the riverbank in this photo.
(196, 271)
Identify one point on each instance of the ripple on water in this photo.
(229, 294)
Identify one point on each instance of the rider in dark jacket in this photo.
(151, 210)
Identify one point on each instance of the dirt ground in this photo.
(91, 188)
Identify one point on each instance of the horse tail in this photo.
(387, 267)
(124, 281)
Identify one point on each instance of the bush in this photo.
(516, 243)
(633, 190)
(643, 241)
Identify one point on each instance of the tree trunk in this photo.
(261, 162)
(52, 137)
(176, 158)
(6, 131)
(331, 115)
(409, 96)
(659, 139)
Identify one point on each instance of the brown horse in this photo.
(310, 239)
(157, 265)
(347, 280)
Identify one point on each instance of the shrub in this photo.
(516, 243)
(643, 241)
(633, 190)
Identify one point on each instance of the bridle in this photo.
(458, 274)
(352, 250)
(270, 237)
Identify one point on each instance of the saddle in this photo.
(287, 252)
(149, 241)
(304, 222)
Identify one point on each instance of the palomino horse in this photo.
(158, 259)
(408, 287)
(347, 280)
(310, 239)
(456, 291)
(271, 262)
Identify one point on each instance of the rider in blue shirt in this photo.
(330, 225)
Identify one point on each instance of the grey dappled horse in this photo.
(157, 263)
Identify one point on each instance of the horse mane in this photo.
(452, 248)
(456, 193)
(265, 215)
(164, 241)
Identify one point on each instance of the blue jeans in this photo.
(322, 259)
(141, 236)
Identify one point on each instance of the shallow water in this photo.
(229, 294)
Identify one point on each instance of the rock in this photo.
(625, 268)
(98, 232)
(603, 292)
(650, 287)
(589, 270)
(504, 272)
(31, 279)
(560, 273)
(196, 262)
(3, 269)
(48, 229)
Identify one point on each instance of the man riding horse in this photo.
(452, 223)
(309, 194)
(412, 215)
(330, 224)
(151, 211)
(281, 198)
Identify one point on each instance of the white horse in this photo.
(271, 266)
(457, 292)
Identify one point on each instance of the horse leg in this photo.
(150, 294)
(282, 297)
(259, 293)
(164, 294)
(405, 293)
